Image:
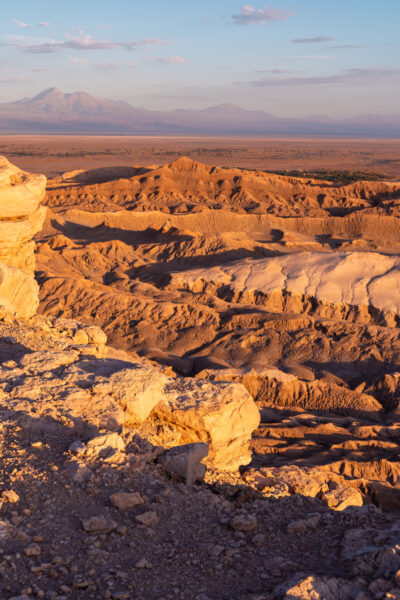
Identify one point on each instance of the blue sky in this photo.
(289, 57)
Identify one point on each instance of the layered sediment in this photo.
(21, 217)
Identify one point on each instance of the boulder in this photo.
(221, 414)
(185, 462)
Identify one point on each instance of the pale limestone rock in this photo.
(223, 415)
(342, 497)
(337, 281)
(184, 462)
(48, 361)
(21, 217)
(137, 391)
(20, 192)
(105, 446)
(18, 292)
(56, 389)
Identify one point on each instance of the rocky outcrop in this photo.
(21, 217)
(273, 387)
(360, 287)
(68, 385)
(222, 414)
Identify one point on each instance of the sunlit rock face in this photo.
(21, 217)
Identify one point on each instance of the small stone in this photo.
(125, 500)
(105, 446)
(79, 472)
(77, 447)
(244, 523)
(98, 525)
(143, 563)
(32, 550)
(216, 550)
(259, 540)
(149, 519)
(303, 525)
(10, 496)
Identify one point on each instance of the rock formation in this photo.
(21, 217)
(357, 286)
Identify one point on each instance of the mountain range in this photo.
(52, 111)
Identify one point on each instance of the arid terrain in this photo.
(212, 308)
(56, 154)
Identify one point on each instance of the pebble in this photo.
(98, 525)
(143, 563)
(32, 550)
(244, 523)
(124, 500)
(10, 496)
(149, 519)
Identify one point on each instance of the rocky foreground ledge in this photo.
(100, 499)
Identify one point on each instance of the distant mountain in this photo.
(52, 111)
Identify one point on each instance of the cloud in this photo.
(105, 26)
(348, 46)
(172, 60)
(109, 66)
(41, 70)
(85, 42)
(251, 16)
(275, 71)
(349, 76)
(309, 57)
(21, 24)
(14, 80)
(78, 61)
(319, 39)
(45, 24)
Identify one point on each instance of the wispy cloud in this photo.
(172, 60)
(251, 16)
(275, 71)
(348, 46)
(21, 24)
(309, 57)
(319, 39)
(349, 76)
(14, 80)
(45, 24)
(109, 66)
(78, 61)
(85, 42)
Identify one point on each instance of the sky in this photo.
(290, 58)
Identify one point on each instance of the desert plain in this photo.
(200, 368)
